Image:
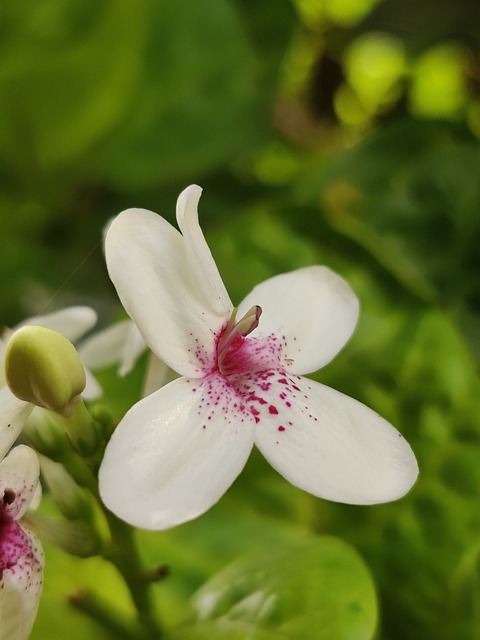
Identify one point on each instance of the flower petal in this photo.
(13, 415)
(314, 309)
(21, 588)
(333, 446)
(132, 349)
(92, 390)
(157, 375)
(19, 472)
(71, 322)
(167, 463)
(148, 264)
(202, 265)
(104, 348)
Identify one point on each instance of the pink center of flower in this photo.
(14, 543)
(249, 377)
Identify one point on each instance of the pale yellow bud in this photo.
(43, 367)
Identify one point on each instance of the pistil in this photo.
(235, 333)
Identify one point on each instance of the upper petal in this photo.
(13, 415)
(173, 455)
(148, 264)
(333, 446)
(198, 254)
(71, 322)
(312, 309)
(19, 473)
(21, 588)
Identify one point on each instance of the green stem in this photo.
(124, 555)
(104, 614)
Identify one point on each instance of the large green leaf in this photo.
(319, 589)
(198, 103)
(67, 73)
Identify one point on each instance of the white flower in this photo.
(21, 555)
(177, 451)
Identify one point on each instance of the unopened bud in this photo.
(72, 500)
(43, 367)
(45, 434)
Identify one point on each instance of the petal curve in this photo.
(14, 413)
(165, 465)
(314, 308)
(199, 256)
(147, 263)
(335, 447)
(71, 322)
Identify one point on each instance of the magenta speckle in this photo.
(245, 380)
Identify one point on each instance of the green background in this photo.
(339, 132)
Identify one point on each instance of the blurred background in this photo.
(341, 132)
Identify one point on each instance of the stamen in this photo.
(249, 322)
(242, 328)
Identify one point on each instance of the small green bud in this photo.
(72, 500)
(45, 434)
(43, 367)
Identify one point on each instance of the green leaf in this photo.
(409, 197)
(223, 630)
(198, 103)
(294, 590)
(67, 74)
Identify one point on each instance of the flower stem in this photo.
(104, 614)
(124, 555)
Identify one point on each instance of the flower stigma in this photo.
(232, 340)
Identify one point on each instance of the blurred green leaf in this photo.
(198, 103)
(320, 584)
(67, 75)
(223, 630)
(409, 195)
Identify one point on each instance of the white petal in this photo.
(157, 375)
(104, 348)
(313, 308)
(21, 588)
(333, 446)
(13, 415)
(71, 322)
(133, 348)
(148, 265)
(19, 472)
(199, 256)
(92, 390)
(174, 455)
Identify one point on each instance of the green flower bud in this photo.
(45, 434)
(72, 500)
(43, 367)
